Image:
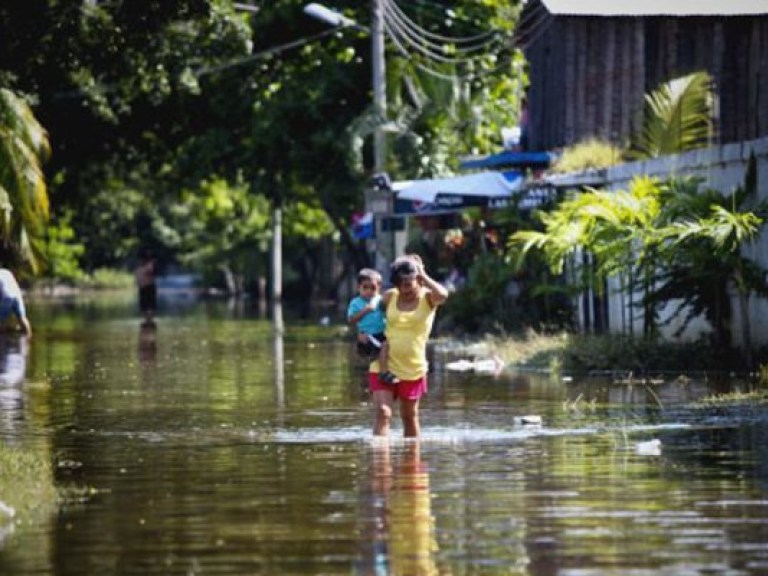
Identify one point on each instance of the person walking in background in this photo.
(365, 312)
(410, 310)
(145, 281)
(12, 302)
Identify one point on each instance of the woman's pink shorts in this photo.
(405, 389)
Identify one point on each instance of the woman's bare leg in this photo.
(382, 412)
(409, 412)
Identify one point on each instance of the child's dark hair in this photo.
(370, 275)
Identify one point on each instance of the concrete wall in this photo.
(723, 168)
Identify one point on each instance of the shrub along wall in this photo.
(722, 168)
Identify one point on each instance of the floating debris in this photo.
(488, 366)
(630, 380)
(648, 448)
(529, 420)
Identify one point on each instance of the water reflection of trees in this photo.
(147, 350)
(13, 369)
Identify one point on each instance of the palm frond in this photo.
(677, 117)
(24, 147)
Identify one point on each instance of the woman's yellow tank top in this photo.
(407, 335)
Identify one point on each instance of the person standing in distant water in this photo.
(145, 280)
(410, 306)
(12, 302)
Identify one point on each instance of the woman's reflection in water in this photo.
(147, 344)
(13, 371)
(147, 353)
(400, 539)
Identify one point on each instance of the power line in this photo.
(392, 4)
(408, 38)
(106, 88)
(436, 51)
(265, 53)
(419, 65)
(531, 25)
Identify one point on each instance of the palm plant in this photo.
(23, 193)
(617, 228)
(676, 118)
(704, 234)
(675, 241)
(681, 243)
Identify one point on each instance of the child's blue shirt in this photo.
(372, 323)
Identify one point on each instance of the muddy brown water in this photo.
(200, 452)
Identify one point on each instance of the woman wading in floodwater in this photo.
(410, 307)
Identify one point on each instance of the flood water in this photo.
(211, 446)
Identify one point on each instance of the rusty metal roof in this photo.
(656, 7)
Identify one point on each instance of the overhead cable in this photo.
(531, 25)
(392, 4)
(409, 57)
(264, 53)
(394, 29)
(431, 49)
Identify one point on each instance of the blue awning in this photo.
(508, 159)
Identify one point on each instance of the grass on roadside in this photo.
(734, 399)
(583, 354)
(530, 350)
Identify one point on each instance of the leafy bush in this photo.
(481, 304)
(62, 252)
(110, 279)
(592, 153)
(617, 352)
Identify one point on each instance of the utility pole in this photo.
(277, 267)
(377, 201)
(380, 204)
(379, 85)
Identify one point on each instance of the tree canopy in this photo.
(149, 98)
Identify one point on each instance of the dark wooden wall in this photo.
(589, 74)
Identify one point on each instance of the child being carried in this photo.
(366, 313)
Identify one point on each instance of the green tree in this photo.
(147, 98)
(117, 84)
(62, 250)
(220, 227)
(23, 191)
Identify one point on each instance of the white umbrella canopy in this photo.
(482, 184)
(445, 195)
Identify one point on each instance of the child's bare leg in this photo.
(384, 357)
(384, 374)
